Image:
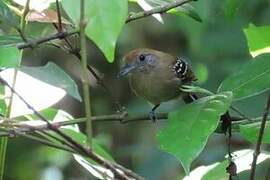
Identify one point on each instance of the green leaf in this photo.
(105, 21)
(218, 172)
(231, 7)
(251, 79)
(94, 169)
(189, 128)
(52, 74)
(242, 159)
(9, 41)
(201, 73)
(185, 9)
(9, 57)
(258, 39)
(251, 132)
(48, 113)
(81, 138)
(7, 17)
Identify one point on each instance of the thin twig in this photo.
(60, 28)
(44, 133)
(122, 118)
(36, 42)
(47, 143)
(24, 14)
(240, 113)
(86, 95)
(159, 9)
(259, 139)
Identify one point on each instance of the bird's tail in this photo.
(225, 118)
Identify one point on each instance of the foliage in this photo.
(105, 21)
(203, 117)
(188, 129)
(258, 39)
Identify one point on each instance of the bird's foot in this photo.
(152, 116)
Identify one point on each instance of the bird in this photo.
(157, 76)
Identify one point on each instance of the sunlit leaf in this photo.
(38, 5)
(105, 21)
(9, 57)
(94, 169)
(46, 16)
(200, 171)
(258, 39)
(55, 76)
(38, 94)
(91, 166)
(186, 10)
(218, 172)
(189, 128)
(251, 79)
(242, 159)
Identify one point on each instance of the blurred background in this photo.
(215, 47)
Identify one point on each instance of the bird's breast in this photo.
(155, 87)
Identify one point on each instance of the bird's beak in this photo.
(128, 68)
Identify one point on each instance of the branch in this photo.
(159, 9)
(259, 140)
(36, 42)
(80, 149)
(86, 93)
(123, 118)
(60, 28)
(61, 35)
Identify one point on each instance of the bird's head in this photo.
(139, 60)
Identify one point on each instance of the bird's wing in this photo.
(183, 70)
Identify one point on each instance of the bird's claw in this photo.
(152, 116)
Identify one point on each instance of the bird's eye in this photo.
(142, 57)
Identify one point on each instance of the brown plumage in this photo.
(156, 76)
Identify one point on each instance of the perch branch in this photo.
(259, 139)
(122, 118)
(60, 27)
